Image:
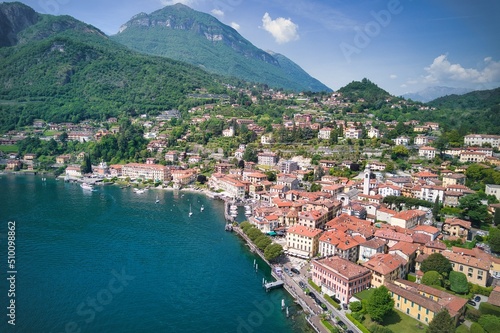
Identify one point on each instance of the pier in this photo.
(272, 285)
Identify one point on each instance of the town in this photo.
(360, 203)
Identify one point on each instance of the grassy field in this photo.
(365, 294)
(9, 148)
(397, 321)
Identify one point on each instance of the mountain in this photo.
(431, 93)
(366, 90)
(474, 112)
(181, 33)
(60, 69)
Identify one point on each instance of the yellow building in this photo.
(302, 241)
(477, 270)
(385, 268)
(423, 302)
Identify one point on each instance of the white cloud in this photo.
(235, 26)
(173, 2)
(442, 70)
(393, 76)
(217, 12)
(283, 30)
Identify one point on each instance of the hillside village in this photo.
(365, 201)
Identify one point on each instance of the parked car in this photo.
(295, 270)
(312, 295)
(290, 274)
(471, 303)
(477, 298)
(286, 270)
(344, 306)
(302, 285)
(342, 324)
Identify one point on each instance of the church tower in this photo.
(366, 180)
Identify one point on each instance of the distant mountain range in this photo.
(430, 93)
(181, 33)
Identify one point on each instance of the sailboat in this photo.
(202, 208)
(157, 200)
(190, 212)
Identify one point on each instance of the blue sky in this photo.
(401, 45)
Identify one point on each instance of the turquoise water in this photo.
(114, 261)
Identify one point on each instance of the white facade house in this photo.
(427, 152)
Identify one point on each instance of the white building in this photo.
(427, 152)
(493, 190)
(481, 139)
(324, 133)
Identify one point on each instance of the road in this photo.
(292, 285)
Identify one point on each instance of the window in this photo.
(426, 312)
(461, 268)
(405, 300)
(418, 316)
(419, 308)
(408, 311)
(411, 304)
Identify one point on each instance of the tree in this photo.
(202, 179)
(262, 242)
(250, 155)
(253, 233)
(496, 217)
(355, 306)
(315, 187)
(271, 176)
(436, 262)
(380, 304)
(432, 278)
(494, 239)
(476, 328)
(458, 282)
(273, 251)
(490, 323)
(442, 323)
(474, 210)
(435, 209)
(87, 165)
(399, 152)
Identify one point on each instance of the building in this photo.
(269, 159)
(472, 156)
(288, 166)
(340, 278)
(456, 228)
(172, 156)
(73, 171)
(427, 152)
(401, 141)
(302, 241)
(385, 268)
(481, 139)
(353, 133)
(373, 133)
(408, 218)
(153, 172)
(454, 179)
(370, 248)
(492, 189)
(423, 302)
(229, 132)
(477, 270)
(421, 140)
(324, 133)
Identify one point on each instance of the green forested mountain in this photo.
(181, 33)
(474, 112)
(364, 89)
(60, 69)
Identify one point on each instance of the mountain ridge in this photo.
(181, 33)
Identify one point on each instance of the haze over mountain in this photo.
(181, 33)
(430, 93)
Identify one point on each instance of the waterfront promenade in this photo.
(292, 287)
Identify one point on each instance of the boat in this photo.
(157, 200)
(87, 186)
(228, 227)
(190, 211)
(202, 208)
(139, 191)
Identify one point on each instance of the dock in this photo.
(272, 285)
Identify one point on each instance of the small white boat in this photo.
(202, 208)
(87, 186)
(138, 191)
(190, 212)
(157, 200)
